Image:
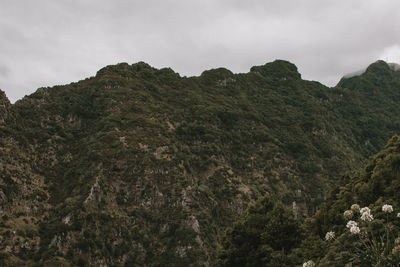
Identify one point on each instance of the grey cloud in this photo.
(4, 71)
(47, 42)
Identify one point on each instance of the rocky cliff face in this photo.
(141, 166)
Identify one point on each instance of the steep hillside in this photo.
(141, 166)
(378, 243)
(359, 225)
(375, 95)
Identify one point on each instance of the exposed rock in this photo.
(3, 198)
(95, 193)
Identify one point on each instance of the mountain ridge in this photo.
(291, 68)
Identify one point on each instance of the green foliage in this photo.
(376, 244)
(264, 236)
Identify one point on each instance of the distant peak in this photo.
(124, 68)
(278, 68)
(219, 73)
(378, 72)
(379, 66)
(141, 66)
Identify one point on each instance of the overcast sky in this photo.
(50, 42)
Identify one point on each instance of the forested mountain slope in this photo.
(141, 166)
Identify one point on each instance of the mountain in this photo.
(139, 166)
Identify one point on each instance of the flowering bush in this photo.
(367, 217)
(387, 208)
(348, 214)
(365, 210)
(381, 250)
(355, 230)
(329, 235)
(351, 224)
(309, 263)
(369, 239)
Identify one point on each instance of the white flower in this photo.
(309, 263)
(387, 208)
(351, 224)
(367, 217)
(355, 207)
(354, 230)
(329, 235)
(398, 215)
(365, 209)
(348, 214)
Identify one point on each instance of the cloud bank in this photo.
(48, 42)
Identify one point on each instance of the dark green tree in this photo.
(264, 236)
